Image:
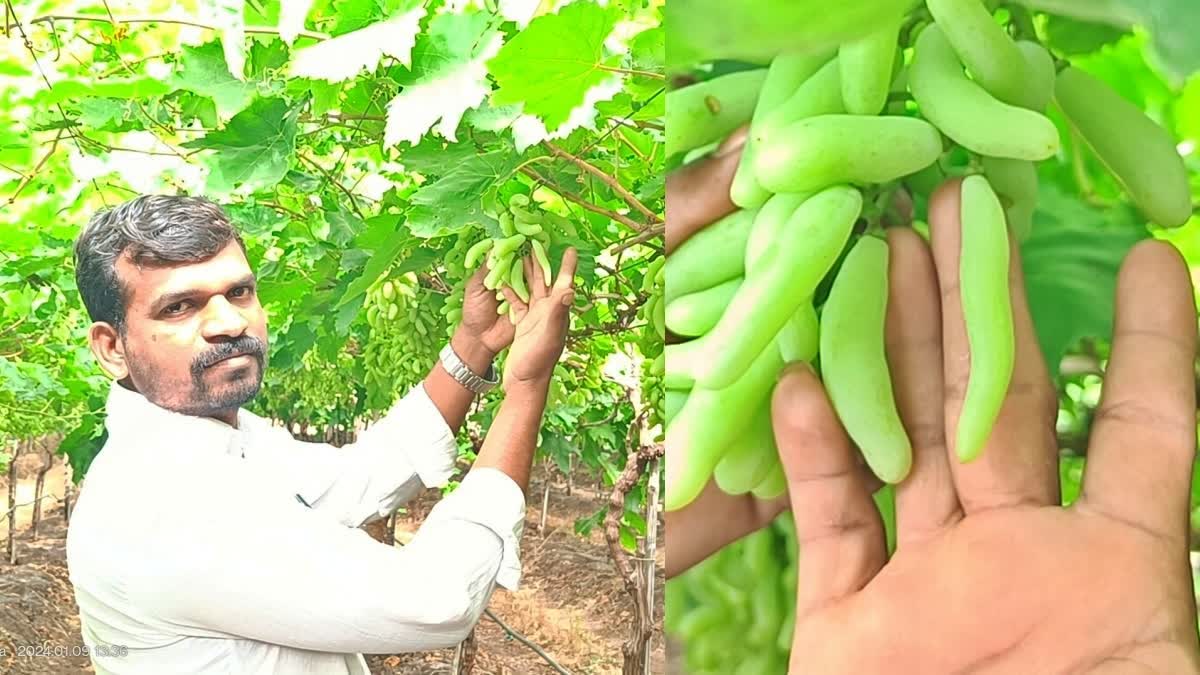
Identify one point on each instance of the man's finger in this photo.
(698, 194)
(925, 500)
(1019, 462)
(537, 282)
(566, 271)
(519, 307)
(1139, 466)
(713, 520)
(838, 528)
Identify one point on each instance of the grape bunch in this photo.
(736, 609)
(653, 312)
(525, 231)
(406, 327)
(800, 271)
(456, 268)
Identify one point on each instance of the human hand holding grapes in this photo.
(994, 573)
(480, 320)
(541, 324)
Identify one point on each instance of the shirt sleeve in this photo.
(257, 565)
(410, 448)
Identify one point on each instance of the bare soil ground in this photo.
(571, 603)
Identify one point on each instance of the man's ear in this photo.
(109, 351)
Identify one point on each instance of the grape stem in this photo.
(610, 181)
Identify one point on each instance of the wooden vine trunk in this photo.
(12, 504)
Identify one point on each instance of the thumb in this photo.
(837, 525)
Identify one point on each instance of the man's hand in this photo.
(697, 196)
(991, 574)
(480, 322)
(541, 329)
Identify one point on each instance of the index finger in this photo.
(566, 271)
(1144, 433)
(698, 194)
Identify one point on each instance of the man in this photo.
(207, 541)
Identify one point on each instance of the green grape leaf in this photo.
(454, 201)
(551, 65)
(130, 88)
(254, 150)
(292, 14)
(101, 112)
(202, 70)
(1071, 36)
(345, 56)
(1173, 25)
(229, 18)
(449, 77)
(1070, 262)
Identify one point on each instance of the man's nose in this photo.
(223, 318)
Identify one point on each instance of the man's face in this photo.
(183, 325)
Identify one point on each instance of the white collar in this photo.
(131, 413)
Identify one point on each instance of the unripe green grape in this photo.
(990, 55)
(1141, 155)
(854, 364)
(819, 152)
(702, 113)
(964, 111)
(987, 314)
(866, 70)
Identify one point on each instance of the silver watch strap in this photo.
(463, 375)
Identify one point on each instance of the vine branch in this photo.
(638, 459)
(653, 232)
(179, 21)
(610, 181)
(572, 197)
(336, 183)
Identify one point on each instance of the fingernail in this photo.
(796, 367)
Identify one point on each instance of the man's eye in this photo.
(174, 309)
(242, 291)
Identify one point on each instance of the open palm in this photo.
(990, 573)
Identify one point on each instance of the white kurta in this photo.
(190, 546)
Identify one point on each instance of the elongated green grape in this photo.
(820, 94)
(708, 422)
(712, 256)
(774, 485)
(702, 113)
(1039, 88)
(787, 276)
(866, 70)
(682, 362)
(817, 152)
(674, 400)
(1016, 182)
(967, 113)
(750, 457)
(854, 364)
(771, 217)
(799, 340)
(987, 313)
(757, 30)
(1139, 153)
(696, 313)
(983, 46)
(786, 74)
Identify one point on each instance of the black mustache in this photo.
(249, 346)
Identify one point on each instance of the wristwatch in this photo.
(463, 375)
